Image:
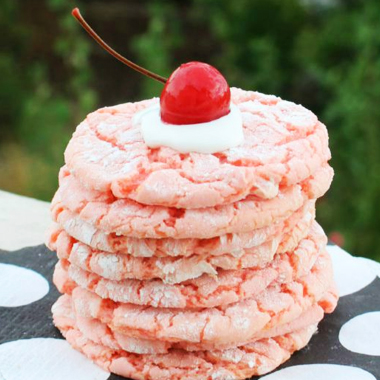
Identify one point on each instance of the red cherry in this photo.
(195, 93)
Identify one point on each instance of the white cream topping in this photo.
(211, 137)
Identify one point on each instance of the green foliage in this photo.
(38, 116)
(345, 57)
(256, 38)
(155, 46)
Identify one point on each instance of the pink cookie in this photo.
(284, 144)
(100, 333)
(126, 217)
(228, 287)
(257, 358)
(174, 270)
(61, 278)
(236, 244)
(220, 327)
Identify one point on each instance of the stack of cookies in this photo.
(193, 266)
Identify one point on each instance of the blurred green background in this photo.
(324, 54)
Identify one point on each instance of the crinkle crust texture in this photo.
(284, 144)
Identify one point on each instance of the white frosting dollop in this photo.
(211, 137)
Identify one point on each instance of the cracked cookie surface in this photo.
(284, 144)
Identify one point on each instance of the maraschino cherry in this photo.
(195, 93)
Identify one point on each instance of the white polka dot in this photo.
(20, 286)
(351, 274)
(373, 265)
(320, 372)
(46, 359)
(362, 334)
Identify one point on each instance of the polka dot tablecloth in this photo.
(346, 347)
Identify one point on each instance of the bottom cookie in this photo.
(100, 333)
(253, 359)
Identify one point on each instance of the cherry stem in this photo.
(76, 13)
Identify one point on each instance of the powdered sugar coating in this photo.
(165, 255)
(284, 144)
(100, 333)
(174, 270)
(225, 326)
(236, 245)
(257, 358)
(126, 217)
(228, 287)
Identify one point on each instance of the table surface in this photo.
(23, 221)
(346, 347)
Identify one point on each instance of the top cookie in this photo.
(284, 144)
